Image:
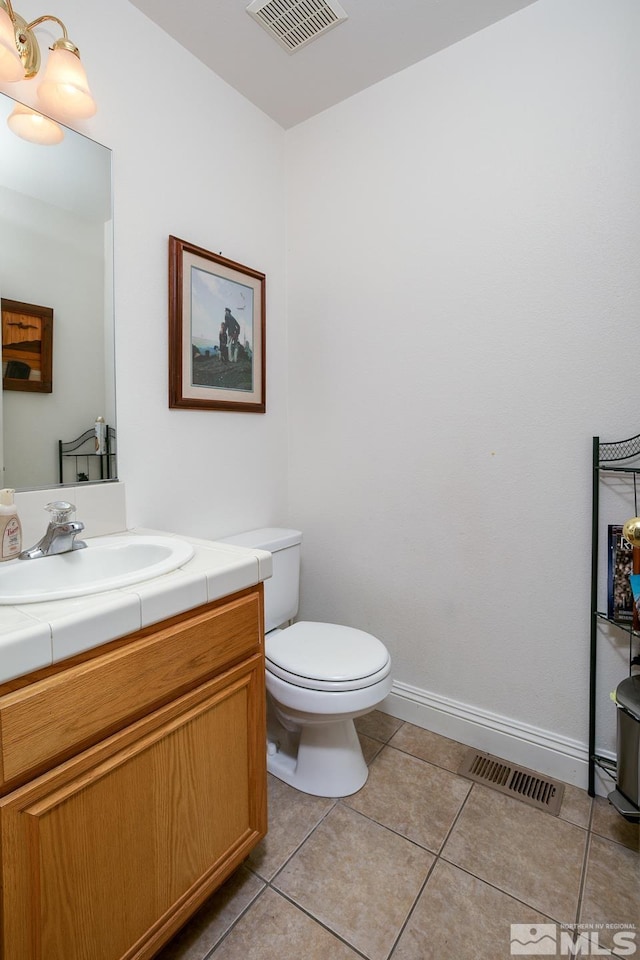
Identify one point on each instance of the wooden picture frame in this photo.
(27, 347)
(216, 331)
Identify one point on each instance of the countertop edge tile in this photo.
(239, 577)
(172, 593)
(215, 570)
(106, 620)
(24, 649)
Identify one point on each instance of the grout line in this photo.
(488, 883)
(456, 818)
(412, 908)
(301, 844)
(605, 836)
(429, 873)
(441, 856)
(385, 826)
(234, 923)
(585, 861)
(268, 883)
(320, 923)
(433, 763)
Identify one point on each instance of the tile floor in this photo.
(423, 864)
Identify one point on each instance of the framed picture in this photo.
(27, 347)
(216, 331)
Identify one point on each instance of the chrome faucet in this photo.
(60, 535)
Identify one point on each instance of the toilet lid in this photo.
(315, 654)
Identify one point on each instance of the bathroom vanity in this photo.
(132, 775)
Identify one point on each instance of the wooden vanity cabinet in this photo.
(107, 853)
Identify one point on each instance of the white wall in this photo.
(463, 245)
(191, 158)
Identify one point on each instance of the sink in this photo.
(107, 563)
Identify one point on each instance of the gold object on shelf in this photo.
(631, 531)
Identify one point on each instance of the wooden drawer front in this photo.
(55, 717)
(116, 847)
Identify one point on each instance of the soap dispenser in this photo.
(10, 526)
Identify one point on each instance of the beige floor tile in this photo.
(357, 878)
(576, 806)
(214, 918)
(525, 852)
(292, 816)
(274, 929)
(422, 809)
(623, 943)
(461, 917)
(612, 888)
(429, 746)
(370, 748)
(378, 725)
(608, 823)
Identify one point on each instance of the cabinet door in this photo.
(104, 857)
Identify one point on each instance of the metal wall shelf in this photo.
(607, 458)
(85, 464)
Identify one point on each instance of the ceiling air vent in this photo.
(295, 23)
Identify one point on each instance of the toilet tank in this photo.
(281, 591)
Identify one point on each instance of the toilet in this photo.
(319, 678)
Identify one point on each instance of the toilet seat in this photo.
(326, 657)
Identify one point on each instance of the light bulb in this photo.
(32, 126)
(64, 90)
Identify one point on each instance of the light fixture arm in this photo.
(26, 42)
(63, 42)
(35, 23)
(47, 16)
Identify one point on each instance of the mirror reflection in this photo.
(56, 268)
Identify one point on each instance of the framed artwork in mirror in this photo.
(27, 347)
(217, 323)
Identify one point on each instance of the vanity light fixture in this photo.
(32, 126)
(63, 90)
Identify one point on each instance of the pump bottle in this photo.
(10, 526)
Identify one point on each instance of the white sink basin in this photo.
(106, 564)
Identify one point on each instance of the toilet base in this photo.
(322, 759)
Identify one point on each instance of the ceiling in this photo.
(379, 38)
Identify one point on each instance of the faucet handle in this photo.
(60, 510)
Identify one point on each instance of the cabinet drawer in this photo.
(56, 717)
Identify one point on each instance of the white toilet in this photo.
(320, 676)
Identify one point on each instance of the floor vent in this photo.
(516, 781)
(294, 23)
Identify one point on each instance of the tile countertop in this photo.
(35, 635)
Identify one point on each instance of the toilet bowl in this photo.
(319, 678)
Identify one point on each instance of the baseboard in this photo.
(541, 750)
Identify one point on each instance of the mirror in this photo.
(56, 253)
